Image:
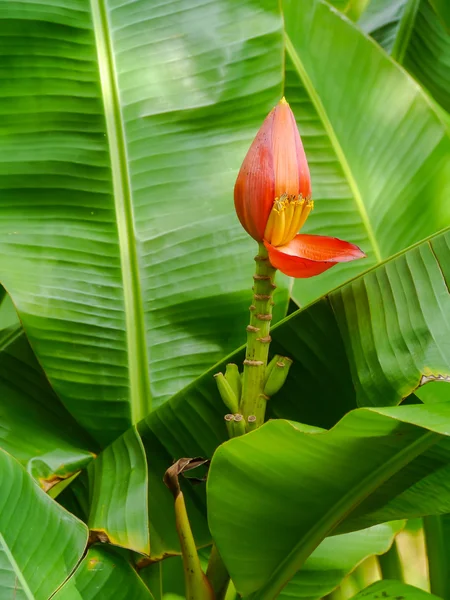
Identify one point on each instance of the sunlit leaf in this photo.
(335, 558)
(415, 36)
(302, 484)
(377, 151)
(119, 494)
(393, 589)
(123, 128)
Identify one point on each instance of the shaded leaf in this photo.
(35, 427)
(163, 533)
(435, 529)
(8, 315)
(103, 574)
(167, 577)
(75, 498)
(40, 542)
(442, 9)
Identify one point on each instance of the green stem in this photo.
(436, 552)
(196, 584)
(391, 564)
(253, 400)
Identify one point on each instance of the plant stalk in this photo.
(254, 400)
(437, 555)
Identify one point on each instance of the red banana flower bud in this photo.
(272, 197)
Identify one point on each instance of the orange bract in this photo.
(309, 255)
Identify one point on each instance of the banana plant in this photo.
(127, 277)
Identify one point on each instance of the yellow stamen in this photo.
(307, 208)
(294, 227)
(287, 217)
(270, 223)
(278, 228)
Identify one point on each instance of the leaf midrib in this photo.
(139, 378)
(305, 546)
(317, 102)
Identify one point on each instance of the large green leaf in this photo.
(163, 533)
(40, 542)
(124, 126)
(393, 589)
(335, 558)
(373, 341)
(359, 344)
(414, 35)
(104, 574)
(377, 151)
(8, 315)
(35, 427)
(442, 8)
(119, 494)
(302, 483)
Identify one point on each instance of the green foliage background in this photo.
(127, 281)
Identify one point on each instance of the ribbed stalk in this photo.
(258, 339)
(253, 401)
(437, 555)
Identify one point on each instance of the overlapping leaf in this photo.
(358, 345)
(124, 126)
(103, 573)
(119, 494)
(414, 34)
(302, 484)
(35, 427)
(126, 502)
(40, 542)
(394, 589)
(377, 151)
(335, 558)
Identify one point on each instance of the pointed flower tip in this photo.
(274, 179)
(358, 253)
